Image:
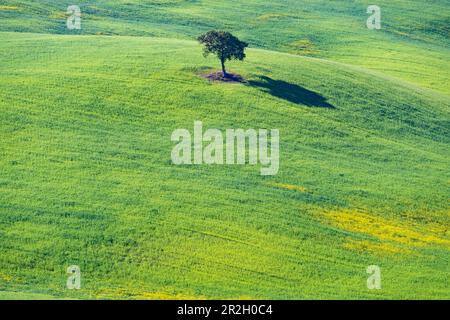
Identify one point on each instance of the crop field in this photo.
(86, 176)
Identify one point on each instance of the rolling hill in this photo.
(86, 176)
(412, 45)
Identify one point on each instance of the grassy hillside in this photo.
(412, 45)
(86, 176)
(7, 295)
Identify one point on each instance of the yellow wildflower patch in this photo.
(383, 229)
(165, 296)
(143, 295)
(289, 187)
(375, 247)
(5, 277)
(302, 47)
(58, 15)
(8, 8)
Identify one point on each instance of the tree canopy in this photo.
(224, 45)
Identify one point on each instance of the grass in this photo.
(334, 30)
(6, 295)
(86, 177)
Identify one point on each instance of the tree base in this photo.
(230, 77)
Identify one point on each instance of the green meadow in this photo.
(86, 176)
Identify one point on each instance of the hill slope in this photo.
(86, 177)
(413, 43)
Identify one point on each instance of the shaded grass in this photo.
(290, 92)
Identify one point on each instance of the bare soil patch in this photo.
(217, 76)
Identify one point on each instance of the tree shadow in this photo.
(290, 92)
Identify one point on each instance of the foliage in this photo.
(224, 45)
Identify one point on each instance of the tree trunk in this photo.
(224, 72)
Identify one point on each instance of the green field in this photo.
(86, 176)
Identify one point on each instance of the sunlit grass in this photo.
(86, 177)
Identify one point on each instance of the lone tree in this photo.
(224, 45)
